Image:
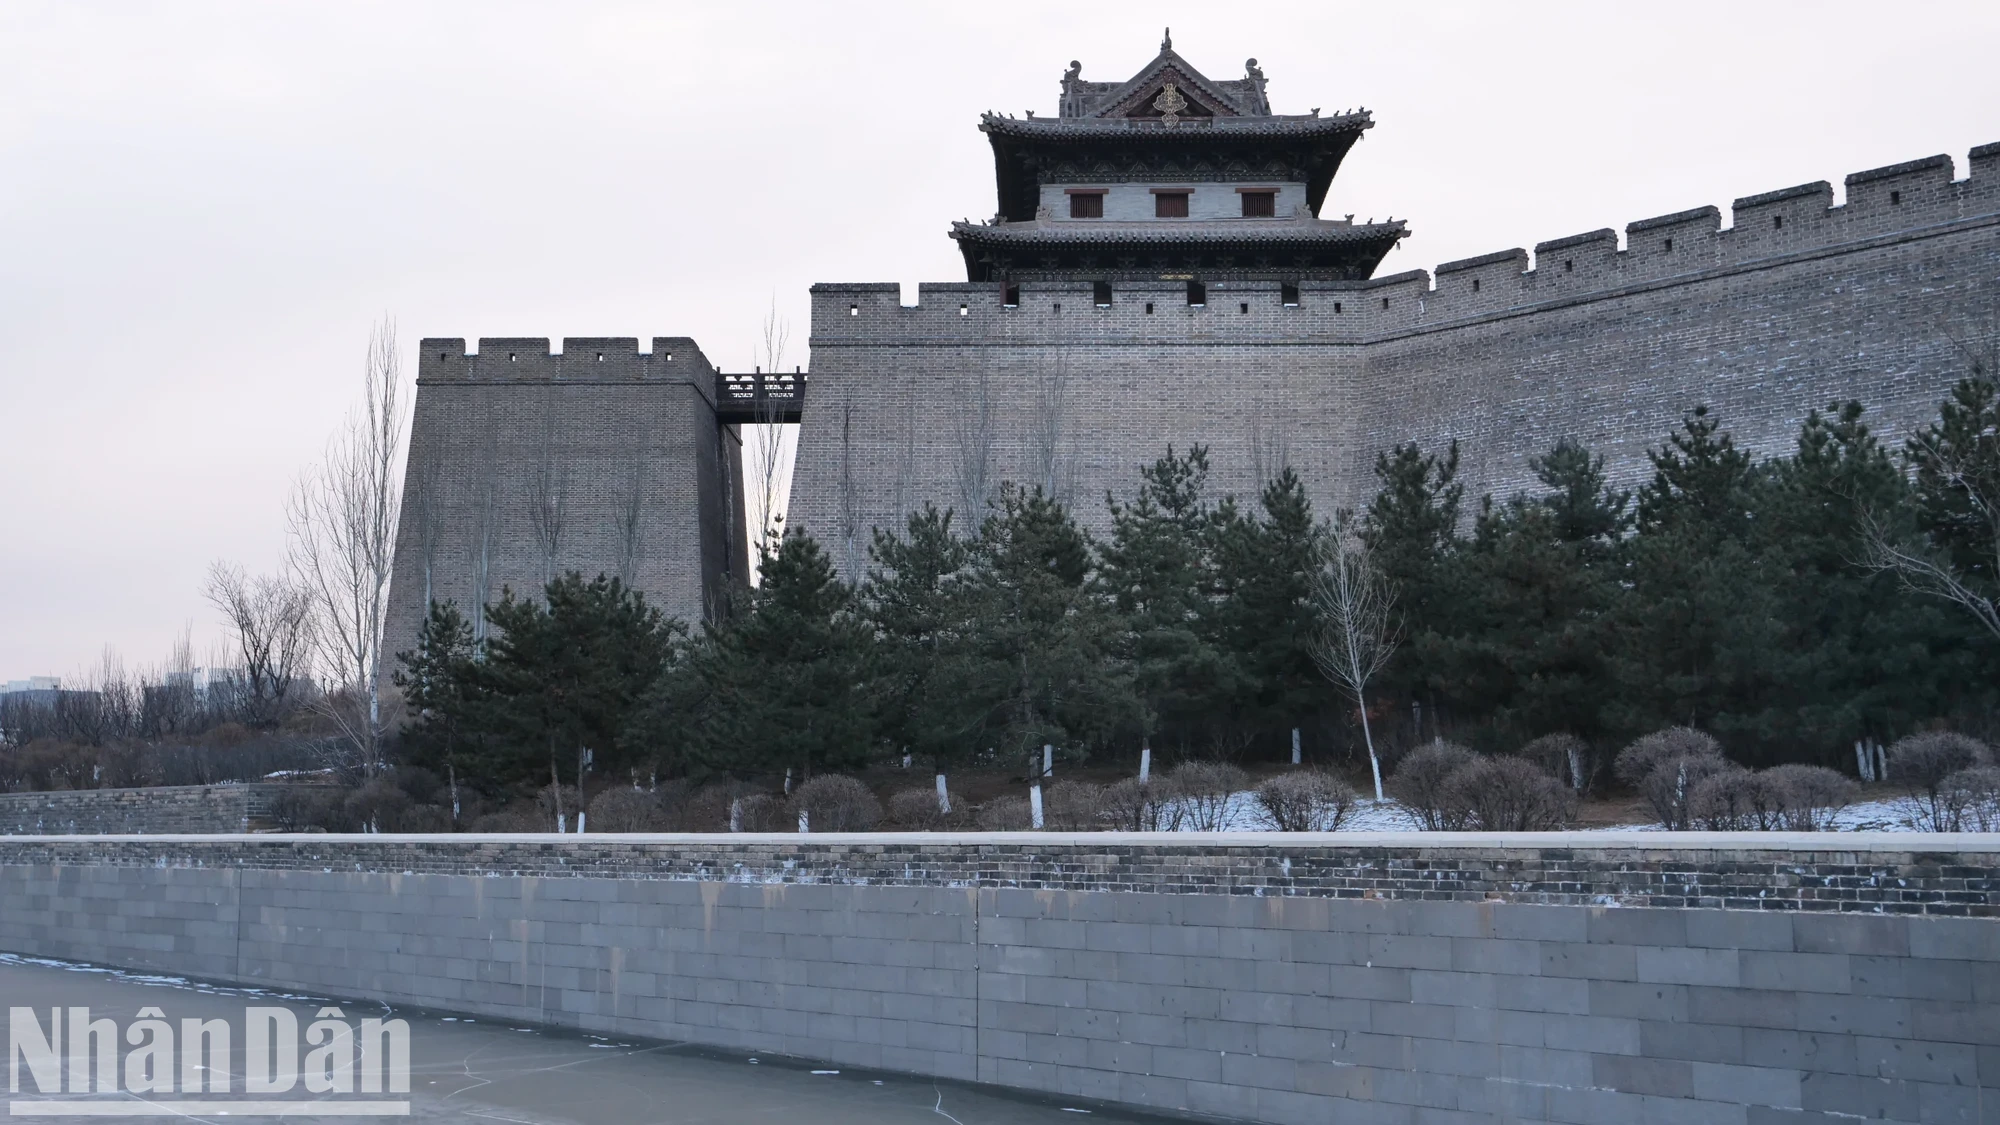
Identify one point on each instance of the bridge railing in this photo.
(760, 396)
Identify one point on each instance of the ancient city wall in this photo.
(152, 810)
(1571, 978)
(600, 458)
(1795, 304)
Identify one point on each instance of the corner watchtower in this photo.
(1170, 171)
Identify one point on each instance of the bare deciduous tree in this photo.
(972, 426)
(485, 529)
(630, 522)
(769, 434)
(271, 620)
(342, 520)
(548, 494)
(1053, 471)
(424, 514)
(1354, 639)
(850, 499)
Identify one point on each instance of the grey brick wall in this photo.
(1464, 980)
(1761, 320)
(158, 809)
(621, 444)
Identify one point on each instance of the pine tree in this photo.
(1158, 571)
(1859, 658)
(1265, 566)
(434, 679)
(1411, 531)
(563, 676)
(780, 684)
(1699, 625)
(1044, 671)
(917, 599)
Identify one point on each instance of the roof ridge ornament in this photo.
(1167, 40)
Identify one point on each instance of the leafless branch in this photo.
(1355, 638)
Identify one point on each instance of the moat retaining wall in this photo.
(1359, 978)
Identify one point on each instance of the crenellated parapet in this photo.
(582, 360)
(1899, 202)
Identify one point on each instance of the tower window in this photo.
(1243, 307)
(600, 357)
(1475, 285)
(1569, 266)
(854, 310)
(1336, 306)
(1058, 307)
(510, 357)
(1385, 302)
(1086, 205)
(1170, 204)
(1197, 293)
(1102, 294)
(1149, 308)
(963, 310)
(1668, 246)
(1260, 204)
(1777, 222)
(1895, 197)
(1010, 296)
(1288, 294)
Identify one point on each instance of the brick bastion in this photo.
(1574, 977)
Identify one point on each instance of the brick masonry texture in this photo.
(149, 811)
(611, 453)
(1383, 979)
(1795, 305)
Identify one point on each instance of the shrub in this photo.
(1812, 795)
(1733, 800)
(1666, 765)
(1973, 796)
(1132, 805)
(1923, 761)
(1565, 757)
(1003, 814)
(1205, 792)
(707, 808)
(917, 810)
(1494, 794)
(571, 802)
(521, 816)
(625, 809)
(1421, 783)
(836, 804)
(1305, 801)
(1073, 806)
(1920, 763)
(760, 812)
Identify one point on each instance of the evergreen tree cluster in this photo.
(1741, 597)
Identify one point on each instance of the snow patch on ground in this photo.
(1243, 814)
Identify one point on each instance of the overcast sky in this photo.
(203, 206)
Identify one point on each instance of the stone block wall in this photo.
(1570, 978)
(153, 810)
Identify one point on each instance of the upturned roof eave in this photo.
(1074, 130)
(1250, 232)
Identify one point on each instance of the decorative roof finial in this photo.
(1167, 40)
